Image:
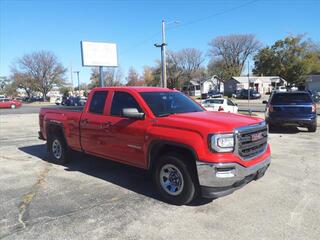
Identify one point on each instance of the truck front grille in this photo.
(251, 141)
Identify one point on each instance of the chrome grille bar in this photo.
(251, 141)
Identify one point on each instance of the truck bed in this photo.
(66, 108)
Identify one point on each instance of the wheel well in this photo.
(54, 129)
(190, 157)
(160, 149)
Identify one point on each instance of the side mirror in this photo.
(265, 102)
(132, 113)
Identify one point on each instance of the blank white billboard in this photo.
(96, 54)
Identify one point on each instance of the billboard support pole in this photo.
(101, 82)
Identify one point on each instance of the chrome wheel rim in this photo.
(56, 149)
(13, 106)
(171, 179)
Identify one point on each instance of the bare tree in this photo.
(133, 78)
(234, 50)
(38, 71)
(4, 81)
(7, 87)
(147, 76)
(24, 81)
(183, 66)
(112, 77)
(221, 70)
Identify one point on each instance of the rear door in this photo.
(93, 123)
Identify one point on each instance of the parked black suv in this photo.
(291, 108)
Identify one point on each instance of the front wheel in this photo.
(175, 180)
(13, 106)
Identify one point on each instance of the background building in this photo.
(263, 84)
(313, 82)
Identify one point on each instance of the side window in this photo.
(98, 101)
(123, 100)
(230, 103)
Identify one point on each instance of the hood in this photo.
(215, 122)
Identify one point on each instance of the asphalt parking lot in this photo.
(92, 198)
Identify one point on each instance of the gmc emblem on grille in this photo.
(256, 136)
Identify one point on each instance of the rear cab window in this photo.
(215, 101)
(98, 102)
(289, 98)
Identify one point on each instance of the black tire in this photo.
(271, 127)
(187, 192)
(54, 142)
(312, 128)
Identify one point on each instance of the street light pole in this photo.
(77, 72)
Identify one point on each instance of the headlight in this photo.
(222, 142)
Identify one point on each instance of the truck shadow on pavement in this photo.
(131, 178)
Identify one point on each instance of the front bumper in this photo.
(220, 179)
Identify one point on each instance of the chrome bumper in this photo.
(220, 179)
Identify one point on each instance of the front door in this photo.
(125, 136)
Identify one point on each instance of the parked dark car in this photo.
(291, 108)
(214, 94)
(73, 101)
(243, 94)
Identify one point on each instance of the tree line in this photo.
(291, 58)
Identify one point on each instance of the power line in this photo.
(140, 43)
(215, 14)
(189, 23)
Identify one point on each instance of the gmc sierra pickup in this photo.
(189, 150)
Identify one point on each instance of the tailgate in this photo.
(292, 110)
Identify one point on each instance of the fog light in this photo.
(225, 173)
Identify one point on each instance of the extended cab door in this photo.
(125, 137)
(93, 122)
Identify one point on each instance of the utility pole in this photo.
(77, 72)
(163, 56)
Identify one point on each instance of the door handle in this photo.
(85, 121)
(106, 124)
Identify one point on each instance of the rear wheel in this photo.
(312, 128)
(13, 106)
(58, 149)
(174, 179)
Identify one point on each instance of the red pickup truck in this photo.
(189, 150)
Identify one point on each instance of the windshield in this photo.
(284, 98)
(166, 103)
